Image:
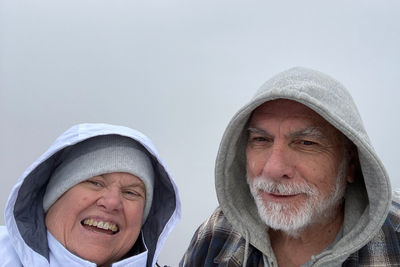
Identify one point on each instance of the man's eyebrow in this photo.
(314, 132)
(311, 132)
(257, 131)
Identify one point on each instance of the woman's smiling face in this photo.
(100, 218)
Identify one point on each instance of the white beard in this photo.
(293, 219)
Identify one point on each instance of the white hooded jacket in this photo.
(25, 241)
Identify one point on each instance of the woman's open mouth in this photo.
(100, 226)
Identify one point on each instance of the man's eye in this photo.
(307, 142)
(258, 139)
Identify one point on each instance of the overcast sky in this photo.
(178, 71)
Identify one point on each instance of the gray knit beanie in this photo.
(96, 156)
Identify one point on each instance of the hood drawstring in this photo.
(246, 249)
(266, 262)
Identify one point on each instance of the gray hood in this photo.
(367, 201)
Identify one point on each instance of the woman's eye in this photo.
(132, 194)
(95, 183)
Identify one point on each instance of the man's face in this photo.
(100, 218)
(295, 165)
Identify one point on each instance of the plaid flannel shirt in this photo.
(216, 243)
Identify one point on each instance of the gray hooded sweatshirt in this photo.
(367, 201)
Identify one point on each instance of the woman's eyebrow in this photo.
(136, 184)
(133, 184)
(100, 176)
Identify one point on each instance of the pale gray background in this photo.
(178, 71)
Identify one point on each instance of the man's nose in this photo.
(110, 200)
(279, 163)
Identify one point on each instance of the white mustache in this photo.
(273, 187)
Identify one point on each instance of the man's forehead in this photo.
(304, 121)
(286, 107)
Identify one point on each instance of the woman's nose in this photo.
(110, 200)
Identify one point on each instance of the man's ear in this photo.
(353, 164)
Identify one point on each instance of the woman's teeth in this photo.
(101, 224)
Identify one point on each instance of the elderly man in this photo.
(100, 196)
(299, 184)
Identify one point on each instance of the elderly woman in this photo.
(100, 196)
